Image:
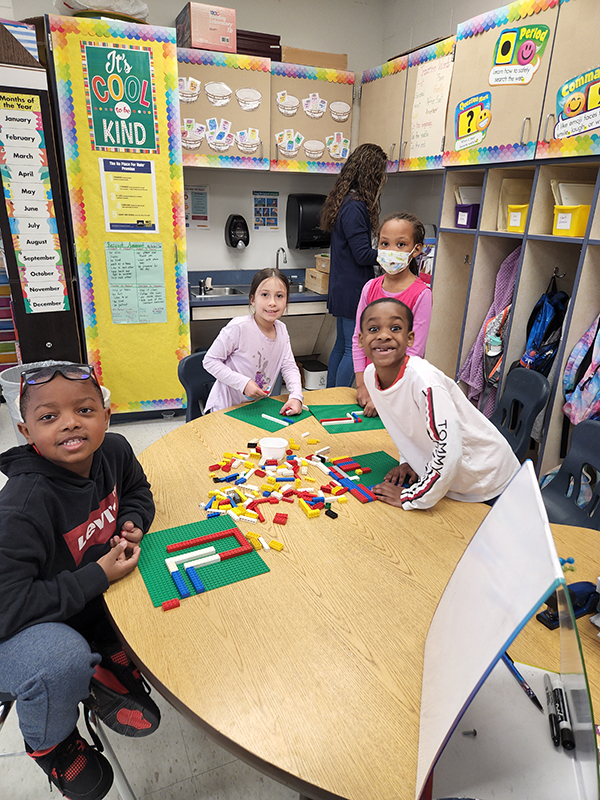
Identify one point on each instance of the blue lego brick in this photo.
(180, 584)
(213, 514)
(266, 494)
(195, 580)
(230, 478)
(210, 502)
(285, 480)
(240, 480)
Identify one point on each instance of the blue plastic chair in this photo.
(565, 503)
(525, 394)
(197, 383)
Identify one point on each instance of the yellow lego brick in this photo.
(292, 441)
(228, 455)
(358, 472)
(294, 446)
(249, 464)
(339, 458)
(275, 545)
(336, 489)
(297, 483)
(256, 544)
(342, 499)
(309, 479)
(271, 479)
(248, 513)
(310, 512)
(313, 441)
(254, 455)
(225, 508)
(222, 463)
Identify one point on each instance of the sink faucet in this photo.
(282, 251)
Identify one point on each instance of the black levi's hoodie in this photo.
(55, 525)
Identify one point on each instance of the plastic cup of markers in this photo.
(273, 447)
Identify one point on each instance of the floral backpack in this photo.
(581, 379)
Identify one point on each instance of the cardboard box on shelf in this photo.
(322, 262)
(207, 28)
(316, 281)
(313, 58)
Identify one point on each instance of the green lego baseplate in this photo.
(380, 464)
(251, 413)
(157, 578)
(330, 412)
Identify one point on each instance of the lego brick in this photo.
(195, 580)
(275, 545)
(167, 605)
(280, 519)
(330, 513)
(179, 584)
(312, 441)
(214, 467)
(158, 580)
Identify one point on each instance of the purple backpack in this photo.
(581, 379)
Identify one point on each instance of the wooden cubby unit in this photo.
(463, 293)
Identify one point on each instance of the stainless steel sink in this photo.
(216, 291)
(297, 288)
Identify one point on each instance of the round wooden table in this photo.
(310, 673)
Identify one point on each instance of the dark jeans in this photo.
(340, 371)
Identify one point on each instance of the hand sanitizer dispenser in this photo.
(236, 232)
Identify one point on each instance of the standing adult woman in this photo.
(351, 213)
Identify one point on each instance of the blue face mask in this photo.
(394, 261)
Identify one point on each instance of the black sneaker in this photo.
(76, 768)
(122, 701)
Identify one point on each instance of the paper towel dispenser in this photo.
(302, 222)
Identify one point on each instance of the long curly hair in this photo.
(363, 174)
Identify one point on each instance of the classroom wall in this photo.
(407, 25)
(354, 27)
(6, 9)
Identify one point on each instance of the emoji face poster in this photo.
(518, 54)
(473, 117)
(578, 105)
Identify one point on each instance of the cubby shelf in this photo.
(466, 267)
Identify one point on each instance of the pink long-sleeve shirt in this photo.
(241, 353)
(417, 297)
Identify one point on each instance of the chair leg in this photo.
(5, 707)
(123, 787)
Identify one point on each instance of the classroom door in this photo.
(382, 97)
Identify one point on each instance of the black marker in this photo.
(562, 712)
(551, 709)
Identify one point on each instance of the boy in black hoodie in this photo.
(72, 515)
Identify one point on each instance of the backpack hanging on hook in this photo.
(544, 329)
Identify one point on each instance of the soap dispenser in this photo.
(236, 232)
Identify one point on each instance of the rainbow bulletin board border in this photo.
(233, 61)
(252, 414)
(133, 386)
(331, 412)
(472, 27)
(157, 578)
(314, 74)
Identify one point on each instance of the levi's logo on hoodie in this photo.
(97, 529)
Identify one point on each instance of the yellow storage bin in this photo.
(516, 218)
(570, 220)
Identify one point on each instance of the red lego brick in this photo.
(366, 470)
(271, 462)
(260, 473)
(226, 467)
(289, 452)
(169, 604)
(359, 496)
(260, 516)
(280, 519)
(214, 467)
(288, 499)
(273, 500)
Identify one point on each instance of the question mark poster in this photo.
(473, 117)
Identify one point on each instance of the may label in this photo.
(120, 97)
(518, 54)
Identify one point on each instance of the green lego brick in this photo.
(251, 413)
(157, 578)
(330, 412)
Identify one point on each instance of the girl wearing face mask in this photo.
(401, 238)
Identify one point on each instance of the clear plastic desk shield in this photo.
(483, 735)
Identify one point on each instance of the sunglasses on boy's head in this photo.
(72, 372)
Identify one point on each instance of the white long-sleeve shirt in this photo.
(451, 446)
(241, 353)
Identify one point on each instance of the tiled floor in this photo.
(178, 762)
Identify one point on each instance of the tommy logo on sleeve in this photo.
(97, 529)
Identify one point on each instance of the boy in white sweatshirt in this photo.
(446, 446)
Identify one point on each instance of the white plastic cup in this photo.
(273, 447)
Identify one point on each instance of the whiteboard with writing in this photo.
(429, 107)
